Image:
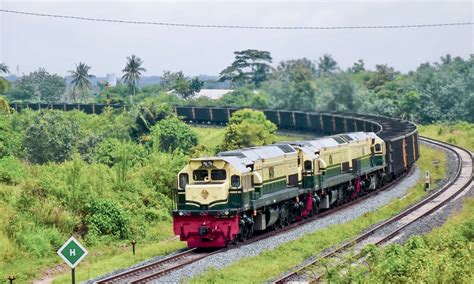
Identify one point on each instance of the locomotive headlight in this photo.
(226, 212)
(180, 213)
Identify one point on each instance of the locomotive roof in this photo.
(261, 152)
(339, 139)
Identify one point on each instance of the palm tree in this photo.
(326, 64)
(132, 72)
(4, 68)
(80, 78)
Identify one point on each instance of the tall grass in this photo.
(461, 133)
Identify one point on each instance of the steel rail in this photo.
(294, 274)
(148, 267)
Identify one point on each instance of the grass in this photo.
(106, 259)
(444, 255)
(461, 134)
(269, 263)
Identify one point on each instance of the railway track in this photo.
(157, 269)
(462, 180)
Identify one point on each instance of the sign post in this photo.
(72, 252)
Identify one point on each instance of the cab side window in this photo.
(235, 181)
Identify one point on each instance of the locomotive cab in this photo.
(209, 193)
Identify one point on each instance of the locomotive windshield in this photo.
(200, 175)
(218, 175)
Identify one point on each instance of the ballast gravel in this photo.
(228, 257)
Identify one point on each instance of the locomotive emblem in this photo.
(204, 194)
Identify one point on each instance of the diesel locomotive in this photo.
(231, 196)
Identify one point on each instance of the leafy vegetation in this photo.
(442, 256)
(436, 92)
(248, 128)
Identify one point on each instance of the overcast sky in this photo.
(57, 44)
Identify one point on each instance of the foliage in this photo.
(250, 66)
(38, 86)
(187, 89)
(132, 72)
(326, 65)
(80, 79)
(248, 128)
(172, 134)
(51, 137)
(148, 114)
(4, 68)
(11, 170)
(292, 85)
(444, 255)
(160, 171)
(112, 151)
(4, 86)
(246, 97)
(105, 217)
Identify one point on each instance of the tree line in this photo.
(435, 92)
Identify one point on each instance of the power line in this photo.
(237, 26)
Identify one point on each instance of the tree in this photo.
(409, 105)
(51, 137)
(168, 79)
(250, 66)
(39, 86)
(173, 134)
(342, 90)
(80, 79)
(132, 72)
(187, 89)
(327, 65)
(383, 74)
(358, 67)
(248, 128)
(148, 114)
(4, 68)
(293, 85)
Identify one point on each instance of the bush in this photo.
(248, 128)
(172, 134)
(105, 217)
(111, 151)
(50, 137)
(11, 170)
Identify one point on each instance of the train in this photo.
(229, 197)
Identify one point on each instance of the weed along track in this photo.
(391, 228)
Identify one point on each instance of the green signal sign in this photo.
(72, 252)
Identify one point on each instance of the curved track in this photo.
(463, 180)
(156, 269)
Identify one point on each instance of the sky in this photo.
(58, 44)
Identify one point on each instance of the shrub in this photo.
(11, 170)
(50, 137)
(248, 128)
(111, 151)
(105, 217)
(172, 134)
